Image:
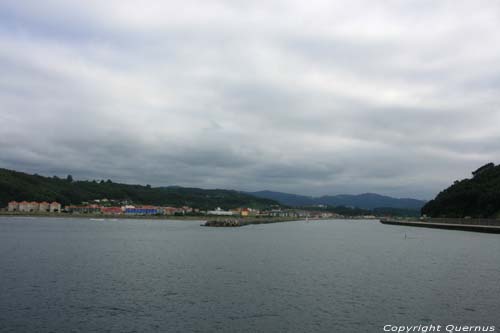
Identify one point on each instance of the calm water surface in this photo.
(81, 275)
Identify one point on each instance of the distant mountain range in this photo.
(364, 201)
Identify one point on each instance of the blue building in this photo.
(142, 211)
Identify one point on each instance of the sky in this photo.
(310, 97)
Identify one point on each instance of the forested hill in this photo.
(21, 186)
(478, 196)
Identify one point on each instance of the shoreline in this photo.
(106, 216)
(205, 218)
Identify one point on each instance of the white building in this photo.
(220, 212)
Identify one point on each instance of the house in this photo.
(169, 210)
(44, 207)
(86, 209)
(33, 206)
(55, 207)
(111, 210)
(23, 206)
(145, 210)
(187, 209)
(13, 206)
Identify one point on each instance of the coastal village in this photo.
(111, 207)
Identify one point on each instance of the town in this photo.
(119, 208)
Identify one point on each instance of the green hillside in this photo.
(21, 186)
(478, 196)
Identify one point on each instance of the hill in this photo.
(478, 196)
(363, 201)
(19, 186)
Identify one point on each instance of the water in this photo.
(85, 275)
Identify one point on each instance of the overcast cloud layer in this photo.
(312, 97)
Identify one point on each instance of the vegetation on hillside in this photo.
(21, 186)
(478, 196)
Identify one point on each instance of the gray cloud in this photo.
(399, 98)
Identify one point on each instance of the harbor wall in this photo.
(447, 224)
(467, 221)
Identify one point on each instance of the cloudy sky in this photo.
(310, 97)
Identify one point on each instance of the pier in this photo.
(240, 222)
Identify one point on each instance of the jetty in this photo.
(240, 222)
(476, 225)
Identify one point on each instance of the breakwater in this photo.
(240, 222)
(475, 225)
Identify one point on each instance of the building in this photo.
(13, 206)
(23, 206)
(187, 209)
(55, 207)
(111, 210)
(86, 209)
(33, 206)
(175, 210)
(145, 210)
(44, 207)
(218, 211)
(277, 213)
(168, 210)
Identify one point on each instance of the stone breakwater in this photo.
(476, 225)
(235, 222)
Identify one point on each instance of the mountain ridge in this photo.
(363, 200)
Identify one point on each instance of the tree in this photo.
(69, 178)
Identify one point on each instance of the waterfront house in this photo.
(44, 207)
(23, 206)
(111, 210)
(55, 207)
(145, 210)
(33, 206)
(13, 206)
(86, 209)
(169, 210)
(186, 209)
